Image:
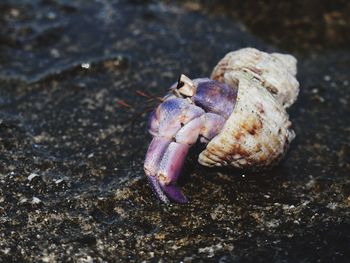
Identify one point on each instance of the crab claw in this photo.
(164, 173)
(164, 160)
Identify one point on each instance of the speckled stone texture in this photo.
(72, 187)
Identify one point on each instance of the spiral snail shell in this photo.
(258, 132)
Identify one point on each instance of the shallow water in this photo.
(71, 176)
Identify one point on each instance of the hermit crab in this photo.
(239, 114)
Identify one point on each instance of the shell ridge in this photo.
(258, 132)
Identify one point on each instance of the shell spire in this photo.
(276, 72)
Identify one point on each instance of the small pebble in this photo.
(85, 65)
(36, 200)
(32, 176)
(59, 181)
(327, 78)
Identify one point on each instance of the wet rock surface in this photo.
(72, 187)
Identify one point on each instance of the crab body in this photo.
(239, 115)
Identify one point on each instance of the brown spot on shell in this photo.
(219, 77)
(221, 68)
(258, 147)
(238, 135)
(252, 126)
(237, 149)
(260, 108)
(273, 90)
(234, 83)
(241, 151)
(254, 70)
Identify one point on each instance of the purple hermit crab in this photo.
(239, 114)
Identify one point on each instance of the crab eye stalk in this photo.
(186, 86)
(179, 82)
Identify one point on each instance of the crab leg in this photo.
(163, 124)
(153, 157)
(154, 154)
(207, 125)
(169, 170)
(161, 149)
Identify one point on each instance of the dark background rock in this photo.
(72, 187)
